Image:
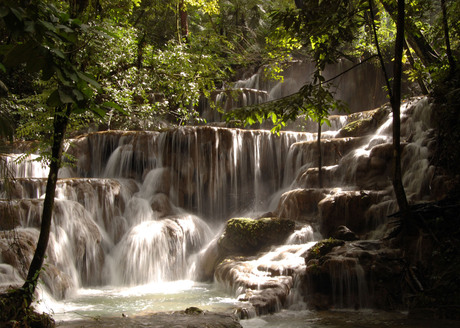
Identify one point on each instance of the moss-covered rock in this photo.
(245, 236)
(363, 123)
(322, 248)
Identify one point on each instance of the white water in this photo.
(135, 212)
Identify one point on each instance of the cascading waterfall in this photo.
(138, 205)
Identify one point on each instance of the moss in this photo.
(193, 310)
(363, 123)
(16, 314)
(248, 236)
(322, 248)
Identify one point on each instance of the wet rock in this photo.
(332, 150)
(17, 248)
(247, 236)
(266, 293)
(347, 208)
(355, 274)
(299, 204)
(364, 123)
(343, 233)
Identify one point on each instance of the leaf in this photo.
(4, 11)
(22, 53)
(115, 106)
(98, 111)
(54, 99)
(89, 79)
(65, 97)
(78, 95)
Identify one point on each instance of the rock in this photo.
(17, 248)
(246, 236)
(299, 204)
(364, 123)
(332, 150)
(355, 274)
(348, 208)
(343, 233)
(322, 248)
(266, 293)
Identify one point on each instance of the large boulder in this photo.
(364, 123)
(245, 236)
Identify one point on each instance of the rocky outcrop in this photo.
(364, 123)
(17, 248)
(247, 262)
(349, 208)
(356, 274)
(300, 204)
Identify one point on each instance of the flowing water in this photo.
(134, 215)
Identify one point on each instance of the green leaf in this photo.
(22, 53)
(98, 111)
(89, 79)
(4, 11)
(54, 100)
(58, 53)
(65, 97)
(115, 106)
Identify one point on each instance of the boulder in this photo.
(343, 233)
(299, 204)
(245, 236)
(364, 123)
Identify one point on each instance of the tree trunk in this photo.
(61, 119)
(445, 24)
(183, 20)
(396, 104)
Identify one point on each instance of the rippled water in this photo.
(160, 297)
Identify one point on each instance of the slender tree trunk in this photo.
(445, 24)
(61, 119)
(320, 157)
(396, 106)
(183, 20)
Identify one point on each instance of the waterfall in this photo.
(138, 207)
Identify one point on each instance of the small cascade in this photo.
(257, 88)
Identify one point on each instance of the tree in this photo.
(46, 40)
(395, 98)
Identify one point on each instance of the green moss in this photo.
(248, 236)
(322, 248)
